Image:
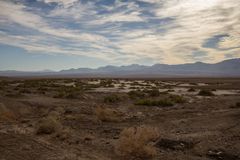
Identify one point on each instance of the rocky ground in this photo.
(72, 119)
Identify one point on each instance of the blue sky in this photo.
(62, 34)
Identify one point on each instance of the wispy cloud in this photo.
(173, 31)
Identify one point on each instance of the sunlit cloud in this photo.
(173, 31)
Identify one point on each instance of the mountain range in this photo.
(226, 68)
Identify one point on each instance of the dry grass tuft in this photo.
(49, 125)
(136, 142)
(108, 114)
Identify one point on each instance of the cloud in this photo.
(64, 3)
(173, 31)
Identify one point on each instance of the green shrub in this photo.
(163, 102)
(205, 93)
(177, 99)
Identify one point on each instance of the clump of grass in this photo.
(205, 93)
(136, 94)
(177, 99)
(162, 102)
(48, 125)
(136, 142)
(107, 114)
(111, 99)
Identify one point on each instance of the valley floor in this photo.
(84, 119)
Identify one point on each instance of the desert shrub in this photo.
(59, 95)
(48, 125)
(136, 142)
(136, 94)
(205, 93)
(42, 90)
(133, 87)
(111, 99)
(4, 83)
(191, 90)
(24, 90)
(107, 114)
(177, 99)
(14, 94)
(238, 104)
(67, 92)
(54, 114)
(153, 92)
(122, 85)
(71, 95)
(106, 83)
(162, 102)
(63, 134)
(135, 83)
(193, 83)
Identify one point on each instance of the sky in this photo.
(61, 34)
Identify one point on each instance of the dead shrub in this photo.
(108, 114)
(137, 142)
(49, 125)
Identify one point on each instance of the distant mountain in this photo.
(227, 68)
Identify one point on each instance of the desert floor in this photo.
(108, 119)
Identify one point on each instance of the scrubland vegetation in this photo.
(118, 119)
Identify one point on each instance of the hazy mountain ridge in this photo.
(225, 68)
